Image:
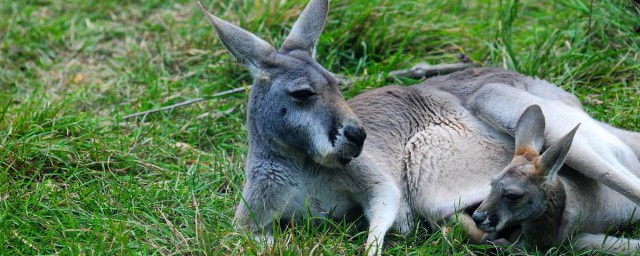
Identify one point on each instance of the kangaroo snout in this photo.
(355, 134)
(479, 217)
(482, 221)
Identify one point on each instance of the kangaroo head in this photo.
(295, 105)
(519, 193)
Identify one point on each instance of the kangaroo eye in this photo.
(513, 197)
(302, 95)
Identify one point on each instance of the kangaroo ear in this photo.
(553, 158)
(529, 133)
(250, 50)
(305, 32)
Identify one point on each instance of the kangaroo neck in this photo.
(544, 230)
(266, 160)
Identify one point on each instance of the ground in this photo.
(77, 178)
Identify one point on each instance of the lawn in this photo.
(76, 178)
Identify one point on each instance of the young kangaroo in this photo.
(553, 203)
(396, 152)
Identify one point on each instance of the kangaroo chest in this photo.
(319, 194)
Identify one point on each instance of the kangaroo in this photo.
(551, 202)
(393, 153)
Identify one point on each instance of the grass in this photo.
(75, 178)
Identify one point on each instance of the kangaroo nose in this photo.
(479, 217)
(355, 134)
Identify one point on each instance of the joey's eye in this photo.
(302, 95)
(513, 197)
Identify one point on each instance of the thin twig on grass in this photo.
(188, 102)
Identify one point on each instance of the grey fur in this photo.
(430, 148)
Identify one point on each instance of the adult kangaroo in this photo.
(395, 152)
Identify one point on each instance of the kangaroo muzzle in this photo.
(482, 221)
(355, 135)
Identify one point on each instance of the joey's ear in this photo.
(250, 50)
(553, 158)
(305, 32)
(529, 133)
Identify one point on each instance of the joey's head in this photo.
(522, 190)
(295, 105)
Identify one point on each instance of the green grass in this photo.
(75, 178)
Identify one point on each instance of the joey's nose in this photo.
(355, 134)
(479, 217)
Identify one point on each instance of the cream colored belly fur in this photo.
(449, 166)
